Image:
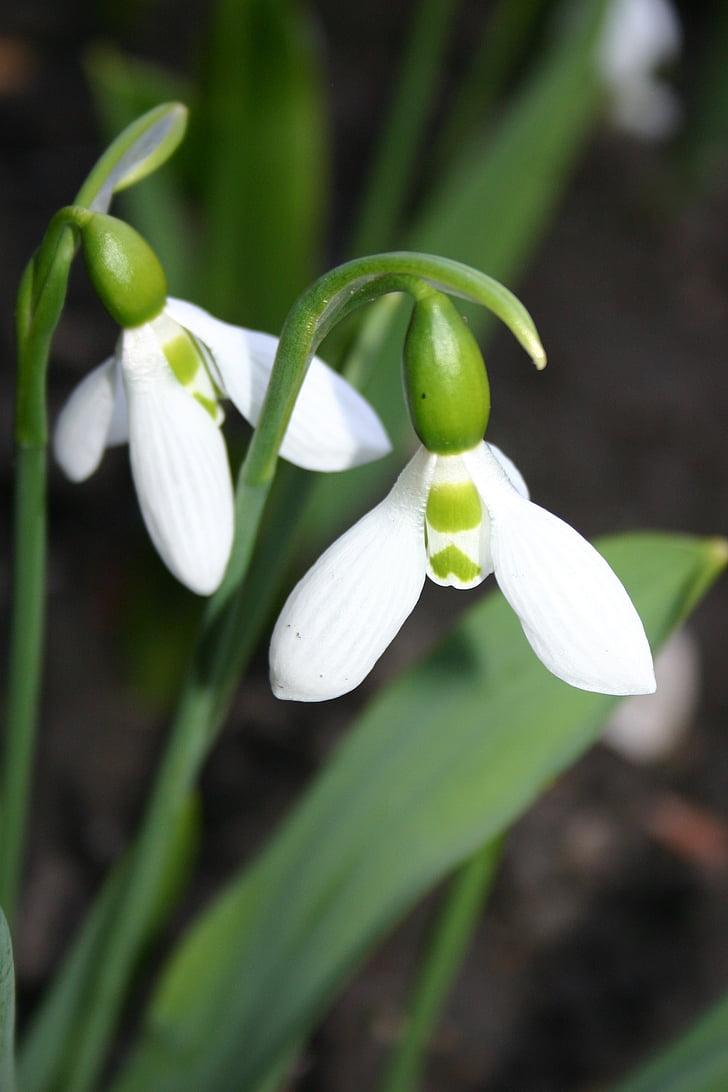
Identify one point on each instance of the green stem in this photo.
(202, 707)
(40, 301)
(453, 930)
(25, 663)
(351, 285)
(392, 171)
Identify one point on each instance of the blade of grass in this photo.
(391, 174)
(463, 905)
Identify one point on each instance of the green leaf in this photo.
(697, 1062)
(7, 1009)
(497, 199)
(445, 759)
(261, 146)
(59, 1022)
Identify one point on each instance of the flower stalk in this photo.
(138, 150)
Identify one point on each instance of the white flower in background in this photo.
(160, 391)
(640, 36)
(651, 727)
(457, 518)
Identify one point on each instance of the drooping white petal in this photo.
(84, 423)
(180, 467)
(332, 426)
(574, 611)
(346, 610)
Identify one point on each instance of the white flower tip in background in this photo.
(650, 727)
(638, 38)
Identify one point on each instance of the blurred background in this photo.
(608, 928)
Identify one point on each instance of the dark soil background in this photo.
(608, 928)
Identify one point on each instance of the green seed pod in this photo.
(123, 269)
(445, 380)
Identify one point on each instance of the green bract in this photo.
(123, 269)
(444, 377)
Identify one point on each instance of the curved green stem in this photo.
(351, 285)
(453, 930)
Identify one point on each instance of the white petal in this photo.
(180, 467)
(512, 472)
(343, 614)
(575, 613)
(332, 426)
(84, 423)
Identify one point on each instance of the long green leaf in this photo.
(59, 1021)
(262, 160)
(456, 921)
(442, 761)
(7, 1009)
(697, 1062)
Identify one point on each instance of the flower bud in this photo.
(123, 269)
(445, 380)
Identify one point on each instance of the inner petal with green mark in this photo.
(187, 359)
(457, 527)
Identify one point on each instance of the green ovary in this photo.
(452, 561)
(453, 507)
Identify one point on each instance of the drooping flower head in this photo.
(458, 512)
(161, 391)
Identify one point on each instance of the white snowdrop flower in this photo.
(457, 518)
(458, 512)
(161, 390)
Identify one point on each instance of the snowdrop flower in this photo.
(456, 515)
(161, 393)
(638, 37)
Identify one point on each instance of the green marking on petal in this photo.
(453, 562)
(210, 405)
(453, 507)
(182, 356)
